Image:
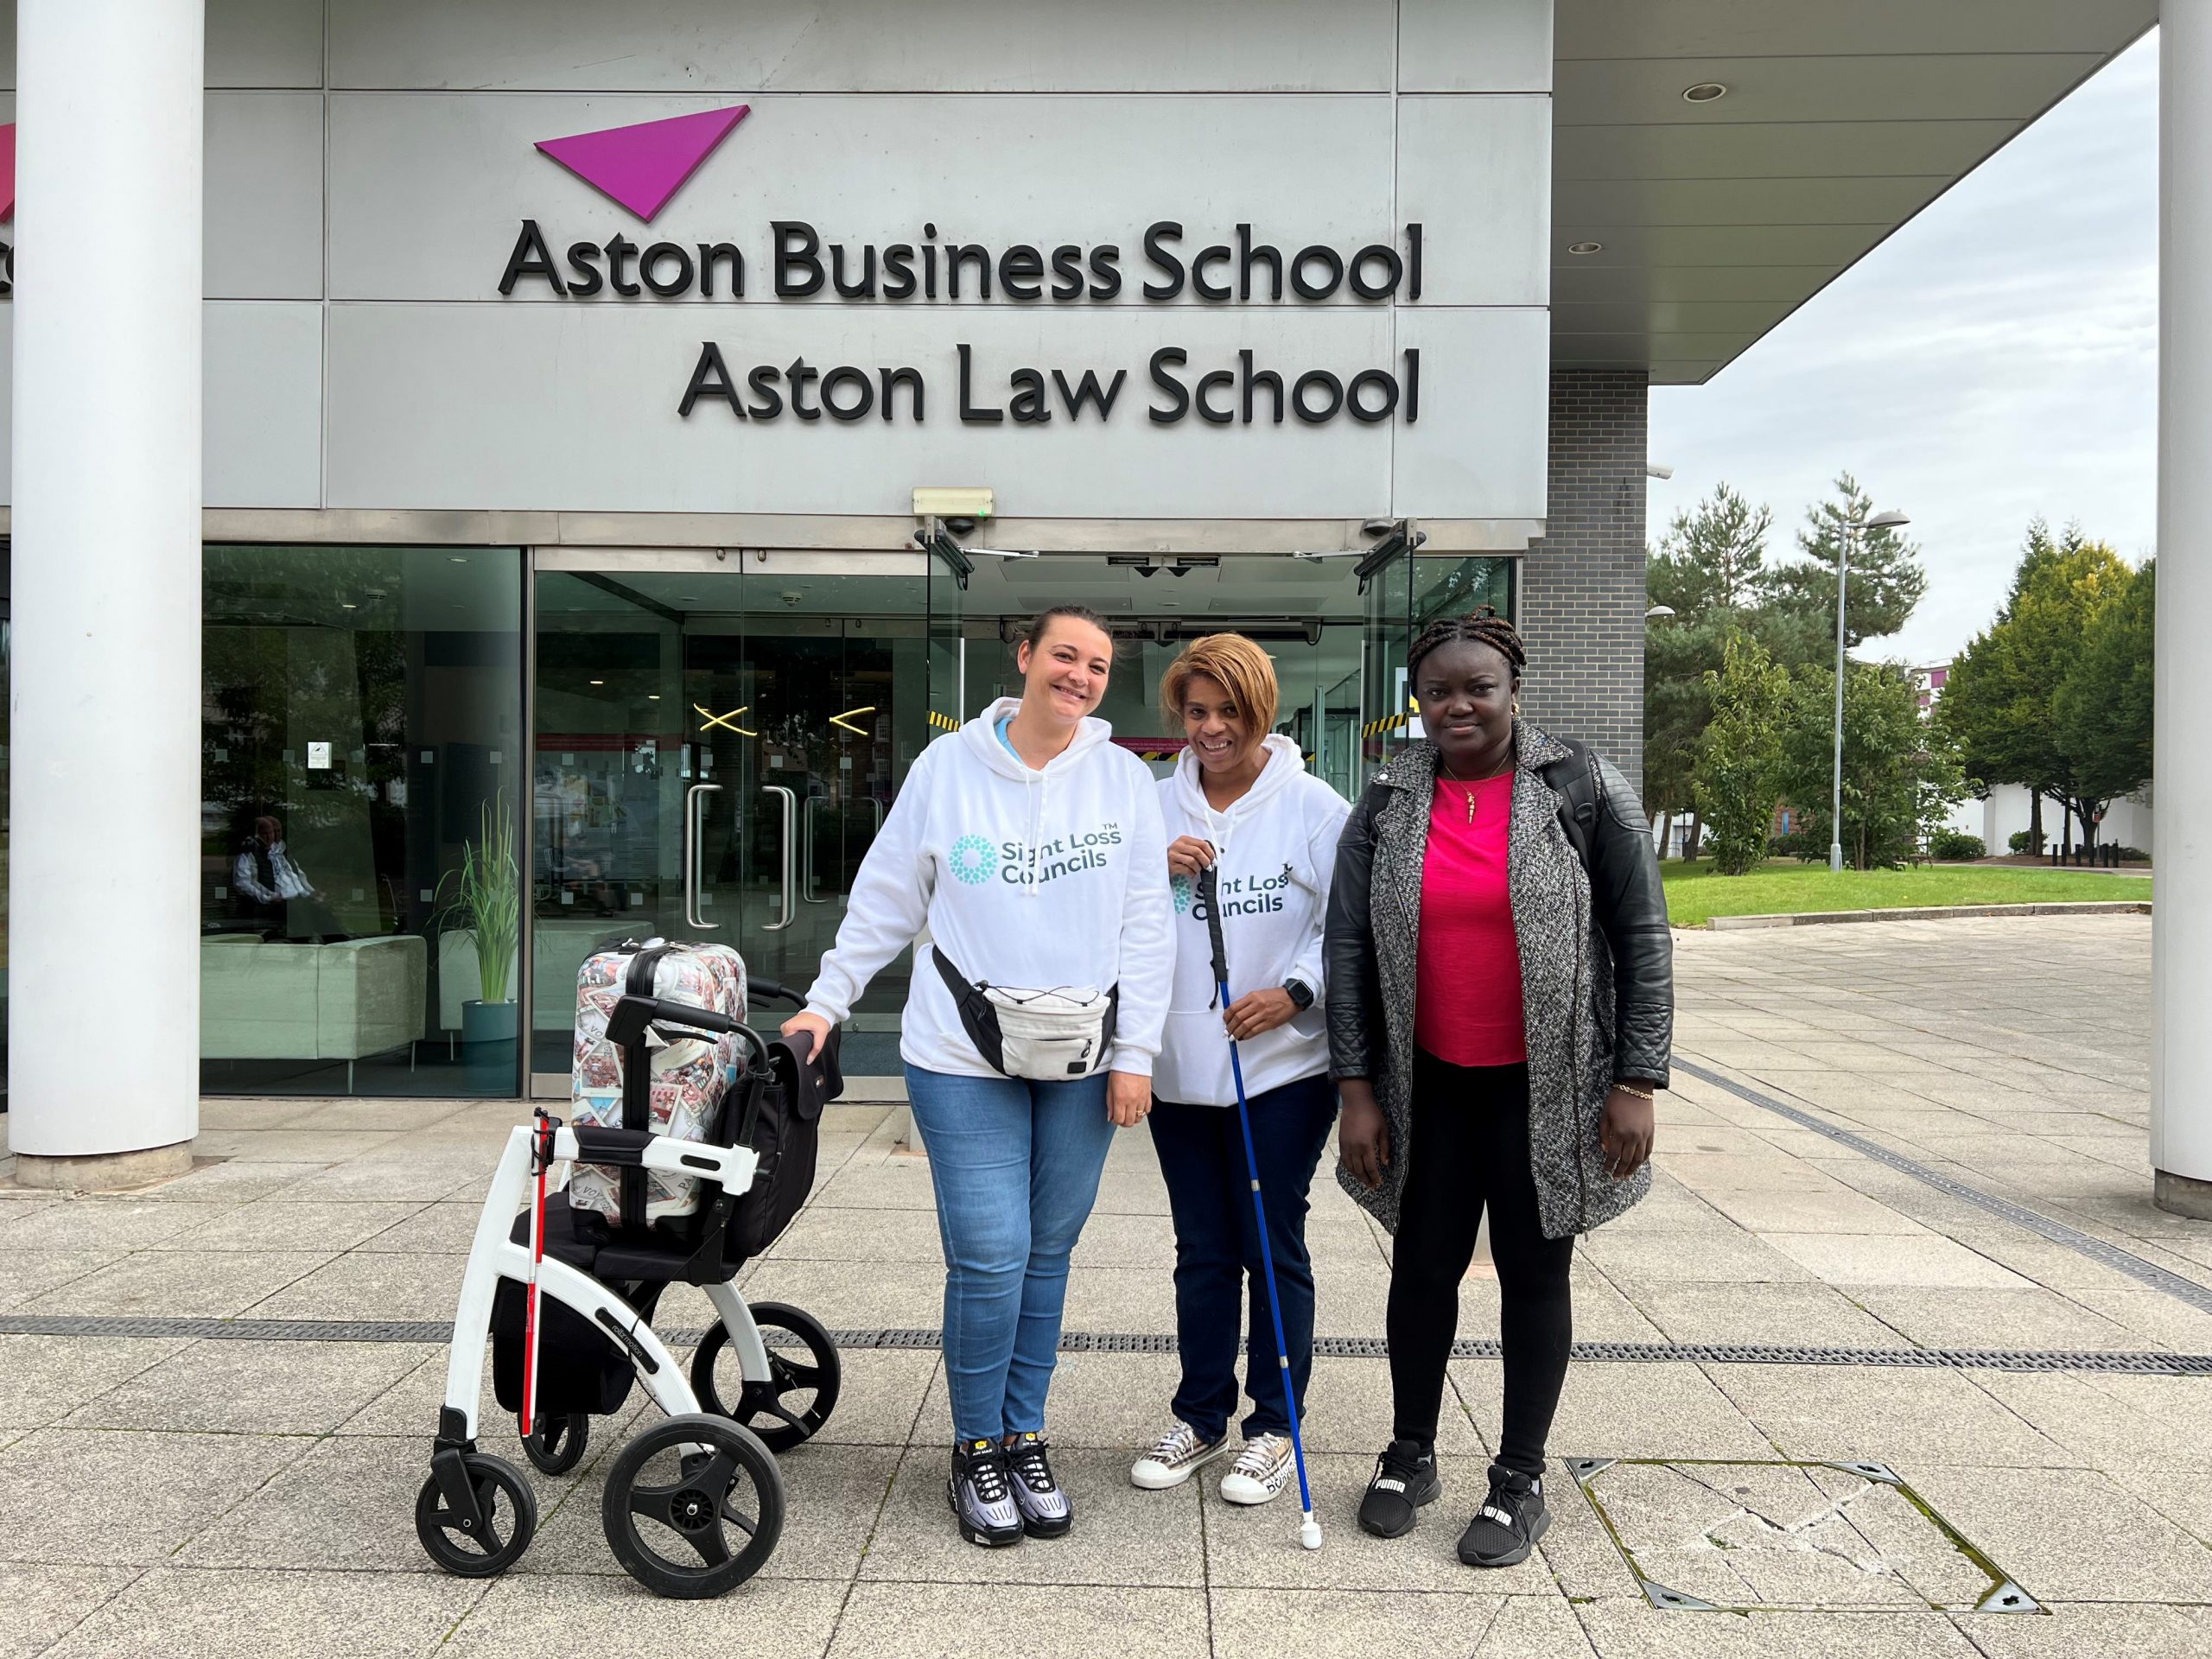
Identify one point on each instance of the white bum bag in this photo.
(1045, 1036)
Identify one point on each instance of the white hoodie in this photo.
(1275, 851)
(1031, 878)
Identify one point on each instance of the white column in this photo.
(104, 965)
(2181, 951)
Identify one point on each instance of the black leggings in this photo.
(1470, 1153)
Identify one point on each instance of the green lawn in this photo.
(1695, 894)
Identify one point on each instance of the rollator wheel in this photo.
(693, 1506)
(555, 1445)
(791, 1405)
(510, 1509)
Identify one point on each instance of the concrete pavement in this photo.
(1912, 1153)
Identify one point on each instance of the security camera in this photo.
(1652, 469)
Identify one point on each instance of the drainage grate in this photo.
(2110, 1255)
(2139, 1362)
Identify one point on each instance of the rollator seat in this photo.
(584, 1240)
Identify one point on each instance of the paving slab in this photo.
(973, 1620)
(1857, 1259)
(368, 1286)
(1622, 1629)
(529, 1616)
(44, 1604)
(347, 1503)
(1121, 1536)
(110, 1497)
(2072, 1534)
(1910, 1420)
(278, 1224)
(179, 1284)
(26, 1274)
(1392, 1624)
(173, 1610)
(252, 1388)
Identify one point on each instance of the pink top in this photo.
(1467, 975)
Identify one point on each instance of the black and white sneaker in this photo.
(1509, 1523)
(1404, 1479)
(981, 1491)
(1046, 1511)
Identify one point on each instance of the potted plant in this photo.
(486, 901)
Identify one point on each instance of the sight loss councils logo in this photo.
(972, 860)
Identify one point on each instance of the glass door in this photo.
(718, 738)
(1388, 723)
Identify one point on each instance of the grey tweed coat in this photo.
(1596, 969)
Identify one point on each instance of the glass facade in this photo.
(362, 773)
(386, 839)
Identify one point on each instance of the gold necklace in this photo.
(1468, 784)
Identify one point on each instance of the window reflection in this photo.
(361, 758)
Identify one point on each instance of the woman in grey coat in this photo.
(1500, 1008)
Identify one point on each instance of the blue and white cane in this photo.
(1309, 1530)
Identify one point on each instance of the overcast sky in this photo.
(1994, 360)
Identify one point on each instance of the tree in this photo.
(1884, 587)
(1711, 557)
(2103, 705)
(1997, 704)
(1738, 772)
(1901, 774)
(1706, 569)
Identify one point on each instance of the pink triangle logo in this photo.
(7, 171)
(639, 166)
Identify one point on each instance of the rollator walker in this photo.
(694, 1504)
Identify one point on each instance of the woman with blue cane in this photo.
(1241, 1084)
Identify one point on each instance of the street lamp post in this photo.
(1855, 534)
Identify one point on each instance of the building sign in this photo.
(641, 167)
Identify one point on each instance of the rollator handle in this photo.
(625, 1024)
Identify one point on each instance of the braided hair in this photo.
(1482, 626)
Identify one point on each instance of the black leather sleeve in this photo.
(1631, 904)
(1348, 951)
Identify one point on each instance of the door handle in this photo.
(807, 883)
(790, 883)
(693, 840)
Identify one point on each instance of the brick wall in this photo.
(1581, 602)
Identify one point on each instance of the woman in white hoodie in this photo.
(1025, 862)
(1241, 801)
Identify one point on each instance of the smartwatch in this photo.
(1300, 993)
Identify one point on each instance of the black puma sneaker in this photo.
(1509, 1523)
(981, 1491)
(1405, 1478)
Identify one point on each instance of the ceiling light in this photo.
(1705, 91)
(457, 558)
(599, 681)
(653, 696)
(1586, 247)
(347, 605)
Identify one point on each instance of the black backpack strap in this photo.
(1573, 778)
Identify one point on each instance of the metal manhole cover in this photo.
(1737, 1537)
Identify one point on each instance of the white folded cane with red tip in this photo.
(541, 1156)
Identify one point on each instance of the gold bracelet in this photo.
(1641, 1094)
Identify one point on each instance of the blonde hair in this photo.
(1244, 670)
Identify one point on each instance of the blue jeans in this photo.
(1015, 1165)
(1201, 1152)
